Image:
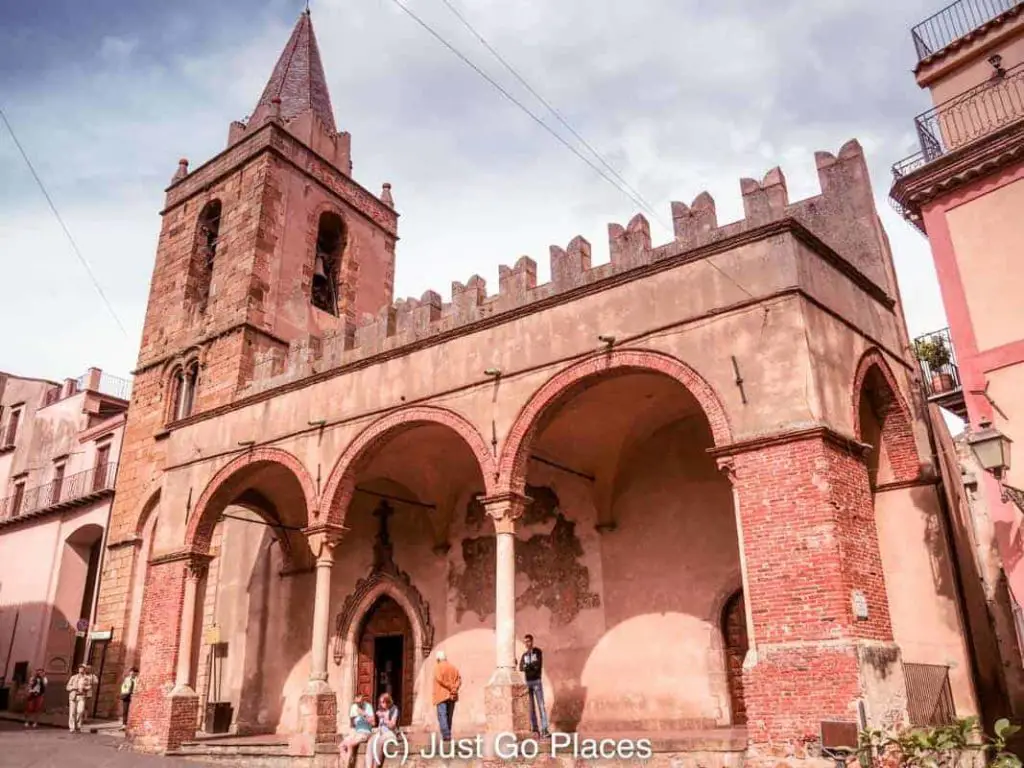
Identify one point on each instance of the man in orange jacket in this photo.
(446, 692)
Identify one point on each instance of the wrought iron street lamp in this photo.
(992, 450)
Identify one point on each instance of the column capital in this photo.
(323, 538)
(505, 509)
(196, 565)
(727, 466)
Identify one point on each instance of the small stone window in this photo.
(205, 249)
(13, 421)
(183, 388)
(330, 242)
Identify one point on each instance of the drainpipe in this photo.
(103, 556)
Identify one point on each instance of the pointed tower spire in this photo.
(298, 80)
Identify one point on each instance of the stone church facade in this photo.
(699, 474)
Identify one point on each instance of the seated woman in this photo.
(360, 715)
(387, 726)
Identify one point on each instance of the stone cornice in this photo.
(245, 325)
(959, 167)
(818, 432)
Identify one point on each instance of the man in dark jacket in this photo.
(532, 665)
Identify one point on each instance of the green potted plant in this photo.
(933, 352)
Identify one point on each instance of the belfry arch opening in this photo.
(330, 242)
(204, 253)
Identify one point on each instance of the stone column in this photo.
(505, 698)
(818, 610)
(182, 715)
(183, 674)
(318, 705)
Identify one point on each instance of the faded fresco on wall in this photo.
(550, 560)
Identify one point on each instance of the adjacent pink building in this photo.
(965, 190)
(59, 451)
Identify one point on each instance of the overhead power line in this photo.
(634, 197)
(561, 139)
(558, 115)
(56, 213)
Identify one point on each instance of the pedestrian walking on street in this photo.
(532, 665)
(78, 688)
(127, 689)
(36, 695)
(447, 682)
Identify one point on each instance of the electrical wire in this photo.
(561, 139)
(558, 115)
(60, 220)
(636, 200)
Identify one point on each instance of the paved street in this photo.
(56, 748)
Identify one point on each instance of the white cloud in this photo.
(679, 99)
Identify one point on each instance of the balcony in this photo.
(940, 372)
(955, 21)
(965, 118)
(69, 491)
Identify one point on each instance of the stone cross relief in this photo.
(383, 549)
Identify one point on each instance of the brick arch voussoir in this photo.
(897, 429)
(150, 506)
(341, 483)
(201, 524)
(515, 453)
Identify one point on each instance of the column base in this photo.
(790, 688)
(161, 722)
(318, 715)
(506, 703)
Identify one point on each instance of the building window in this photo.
(17, 497)
(203, 253)
(57, 486)
(330, 241)
(13, 421)
(101, 469)
(184, 384)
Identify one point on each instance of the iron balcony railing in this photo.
(945, 378)
(955, 21)
(109, 385)
(929, 696)
(67, 490)
(966, 118)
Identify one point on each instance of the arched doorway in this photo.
(386, 661)
(734, 632)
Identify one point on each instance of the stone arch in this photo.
(367, 591)
(202, 522)
(149, 506)
(513, 463)
(341, 483)
(353, 619)
(893, 414)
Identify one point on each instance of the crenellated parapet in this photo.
(842, 216)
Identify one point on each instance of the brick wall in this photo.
(150, 724)
(809, 541)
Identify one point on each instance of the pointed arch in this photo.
(341, 483)
(397, 586)
(229, 481)
(515, 453)
(875, 385)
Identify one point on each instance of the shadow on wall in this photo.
(36, 635)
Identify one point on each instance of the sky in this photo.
(679, 96)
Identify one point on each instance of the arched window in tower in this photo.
(184, 383)
(330, 242)
(201, 268)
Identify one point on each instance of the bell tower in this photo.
(268, 243)
(272, 240)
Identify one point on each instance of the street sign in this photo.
(82, 625)
(107, 635)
